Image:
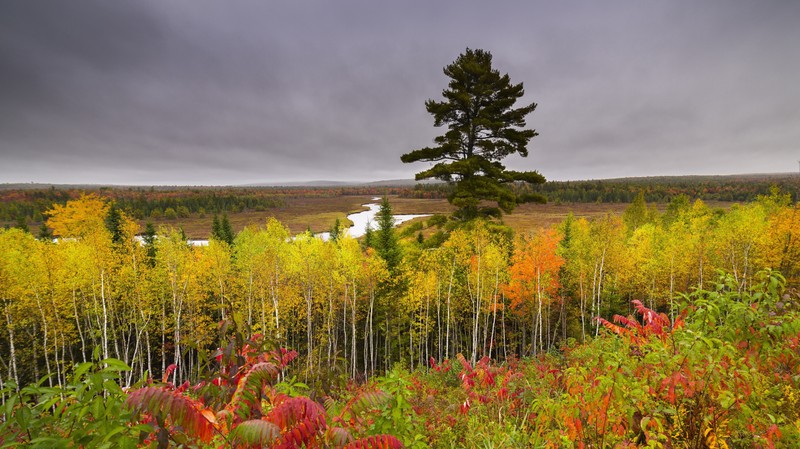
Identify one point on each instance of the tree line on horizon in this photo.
(28, 206)
(656, 190)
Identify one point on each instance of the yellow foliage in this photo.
(78, 218)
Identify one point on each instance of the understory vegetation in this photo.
(668, 330)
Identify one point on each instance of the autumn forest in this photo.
(645, 327)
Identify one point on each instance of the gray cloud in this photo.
(204, 92)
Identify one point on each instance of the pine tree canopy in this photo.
(483, 127)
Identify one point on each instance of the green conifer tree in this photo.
(226, 230)
(149, 239)
(216, 229)
(369, 236)
(114, 224)
(483, 127)
(45, 234)
(386, 242)
(336, 231)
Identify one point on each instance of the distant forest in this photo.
(739, 188)
(145, 203)
(168, 202)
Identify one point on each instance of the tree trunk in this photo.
(105, 313)
(13, 373)
(353, 330)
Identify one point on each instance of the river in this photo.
(367, 218)
(360, 222)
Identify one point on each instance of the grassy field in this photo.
(319, 213)
(299, 213)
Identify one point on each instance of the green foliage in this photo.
(149, 240)
(411, 229)
(226, 230)
(400, 418)
(437, 220)
(22, 224)
(678, 206)
(336, 230)
(221, 229)
(87, 412)
(483, 129)
(170, 214)
(44, 233)
(663, 189)
(384, 239)
(182, 211)
(114, 224)
(435, 240)
(638, 214)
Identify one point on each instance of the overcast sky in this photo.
(212, 92)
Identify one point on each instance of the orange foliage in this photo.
(534, 270)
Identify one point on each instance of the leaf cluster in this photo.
(86, 412)
(258, 413)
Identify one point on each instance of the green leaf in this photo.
(81, 369)
(115, 365)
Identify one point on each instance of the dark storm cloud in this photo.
(205, 92)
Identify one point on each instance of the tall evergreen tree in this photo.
(369, 236)
(385, 238)
(149, 239)
(44, 233)
(182, 233)
(216, 229)
(114, 224)
(226, 231)
(336, 231)
(483, 128)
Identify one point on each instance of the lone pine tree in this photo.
(483, 128)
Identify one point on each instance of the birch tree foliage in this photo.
(642, 272)
(79, 218)
(737, 239)
(306, 270)
(21, 278)
(271, 270)
(534, 280)
(700, 221)
(782, 252)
